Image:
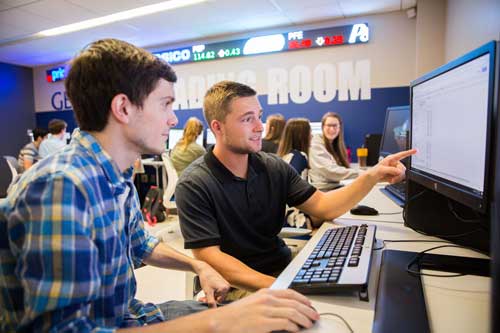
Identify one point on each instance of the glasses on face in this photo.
(332, 126)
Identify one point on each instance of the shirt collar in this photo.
(117, 179)
(255, 166)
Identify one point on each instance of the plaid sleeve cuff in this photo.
(145, 250)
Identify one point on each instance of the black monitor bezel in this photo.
(388, 110)
(450, 189)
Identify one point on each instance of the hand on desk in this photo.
(213, 284)
(266, 311)
(390, 169)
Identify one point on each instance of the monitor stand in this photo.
(400, 304)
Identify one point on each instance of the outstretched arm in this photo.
(333, 204)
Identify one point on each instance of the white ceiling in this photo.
(215, 18)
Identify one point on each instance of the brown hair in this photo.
(336, 148)
(192, 130)
(106, 68)
(220, 95)
(296, 135)
(56, 126)
(275, 123)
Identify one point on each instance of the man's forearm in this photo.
(330, 205)
(234, 271)
(166, 257)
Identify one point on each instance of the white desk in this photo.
(458, 304)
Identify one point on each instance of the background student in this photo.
(328, 155)
(274, 128)
(295, 143)
(56, 140)
(29, 153)
(187, 149)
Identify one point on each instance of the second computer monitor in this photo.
(396, 127)
(175, 135)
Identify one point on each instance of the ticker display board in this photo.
(283, 42)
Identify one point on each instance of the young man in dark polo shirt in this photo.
(232, 201)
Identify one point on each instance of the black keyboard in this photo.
(396, 192)
(340, 260)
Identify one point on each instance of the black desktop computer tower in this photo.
(372, 143)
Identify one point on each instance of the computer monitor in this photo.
(316, 128)
(396, 127)
(210, 140)
(451, 127)
(175, 135)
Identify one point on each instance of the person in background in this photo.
(231, 203)
(29, 153)
(187, 150)
(72, 230)
(294, 149)
(294, 145)
(328, 155)
(274, 128)
(56, 140)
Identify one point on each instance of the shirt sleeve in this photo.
(197, 220)
(57, 262)
(29, 155)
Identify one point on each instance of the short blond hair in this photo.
(220, 95)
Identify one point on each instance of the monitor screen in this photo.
(451, 111)
(396, 128)
(210, 137)
(316, 128)
(175, 135)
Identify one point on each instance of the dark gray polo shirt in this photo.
(242, 216)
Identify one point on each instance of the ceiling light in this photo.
(120, 16)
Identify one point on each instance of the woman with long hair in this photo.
(328, 155)
(295, 143)
(274, 128)
(187, 150)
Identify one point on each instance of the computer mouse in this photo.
(363, 210)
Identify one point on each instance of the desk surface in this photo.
(459, 304)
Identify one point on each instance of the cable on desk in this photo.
(449, 236)
(420, 255)
(407, 241)
(340, 317)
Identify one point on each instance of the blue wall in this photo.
(17, 107)
(360, 117)
(43, 118)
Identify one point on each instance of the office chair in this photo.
(14, 163)
(170, 174)
(11, 163)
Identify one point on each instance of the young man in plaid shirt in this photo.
(71, 232)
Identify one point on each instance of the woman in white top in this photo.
(328, 155)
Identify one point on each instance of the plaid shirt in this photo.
(71, 233)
